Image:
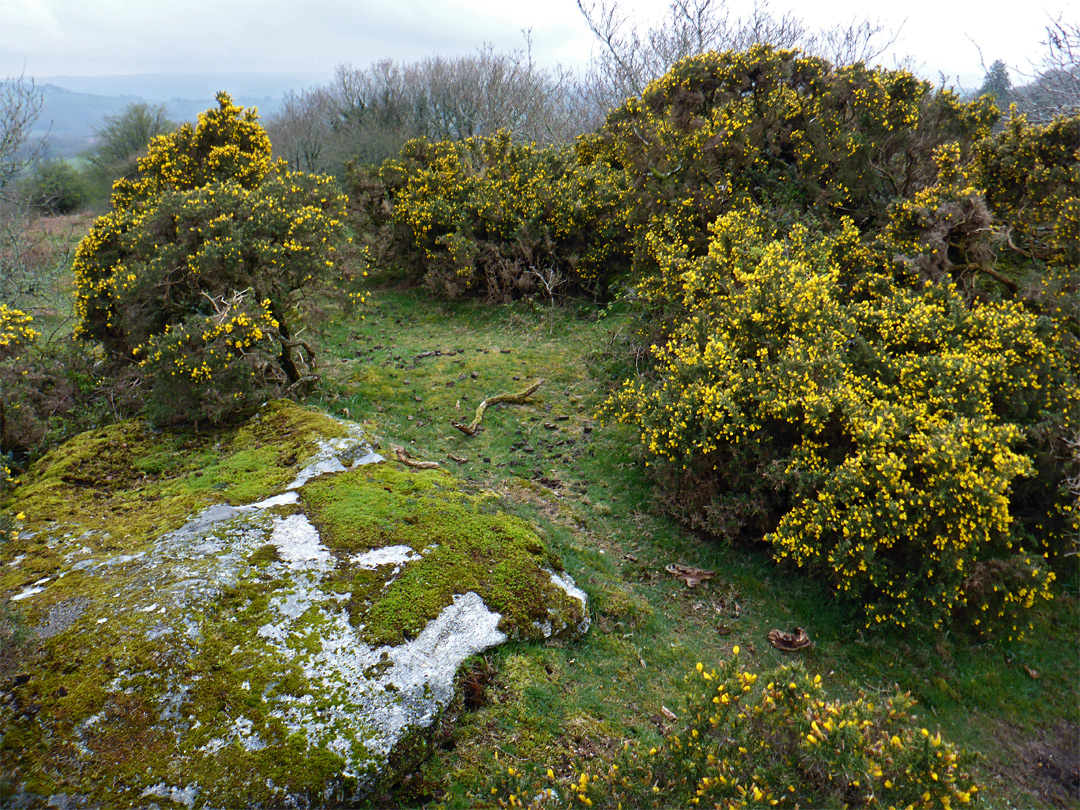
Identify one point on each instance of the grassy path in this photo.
(412, 364)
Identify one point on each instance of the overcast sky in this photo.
(48, 38)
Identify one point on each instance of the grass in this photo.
(412, 364)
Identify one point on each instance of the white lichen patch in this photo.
(387, 555)
(554, 623)
(185, 796)
(278, 500)
(387, 689)
(565, 582)
(298, 542)
(337, 455)
(31, 590)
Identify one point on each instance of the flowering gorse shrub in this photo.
(1031, 175)
(786, 129)
(770, 739)
(193, 274)
(9, 523)
(492, 217)
(868, 422)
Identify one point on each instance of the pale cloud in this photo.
(82, 37)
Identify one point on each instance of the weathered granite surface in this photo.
(281, 652)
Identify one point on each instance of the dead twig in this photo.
(406, 458)
(473, 427)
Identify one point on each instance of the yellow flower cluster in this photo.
(227, 143)
(1031, 175)
(15, 329)
(781, 128)
(9, 524)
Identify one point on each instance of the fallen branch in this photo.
(406, 458)
(473, 427)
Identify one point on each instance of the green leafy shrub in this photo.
(765, 740)
(492, 217)
(192, 276)
(867, 421)
(55, 187)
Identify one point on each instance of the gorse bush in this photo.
(784, 130)
(843, 362)
(867, 421)
(772, 739)
(192, 276)
(1032, 180)
(487, 216)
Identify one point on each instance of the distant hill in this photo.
(75, 106)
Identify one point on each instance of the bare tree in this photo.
(20, 150)
(302, 131)
(630, 57)
(1054, 87)
(33, 260)
(122, 139)
(20, 108)
(368, 114)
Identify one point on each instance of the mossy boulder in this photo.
(267, 617)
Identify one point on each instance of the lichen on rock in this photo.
(266, 650)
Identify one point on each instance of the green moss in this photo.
(467, 545)
(264, 554)
(130, 484)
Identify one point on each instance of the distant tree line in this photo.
(368, 114)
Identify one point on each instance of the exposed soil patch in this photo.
(1046, 760)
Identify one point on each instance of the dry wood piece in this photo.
(473, 427)
(790, 642)
(458, 459)
(406, 458)
(688, 574)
